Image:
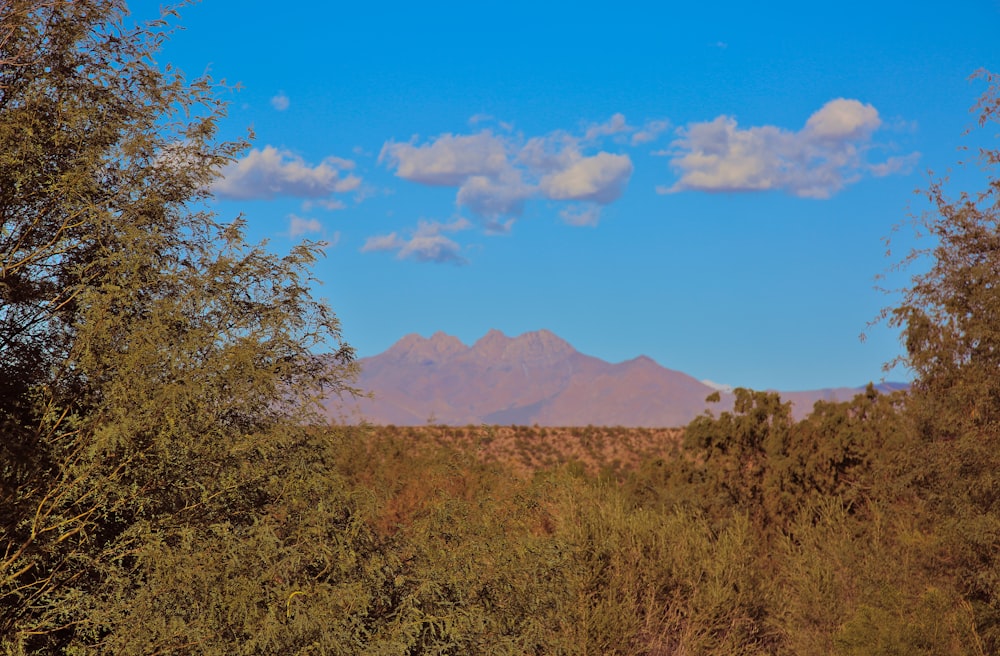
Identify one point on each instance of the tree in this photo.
(846, 450)
(950, 314)
(743, 457)
(950, 321)
(149, 356)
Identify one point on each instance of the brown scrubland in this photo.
(530, 449)
(168, 484)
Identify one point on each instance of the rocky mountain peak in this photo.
(445, 343)
(537, 347)
(414, 348)
(542, 343)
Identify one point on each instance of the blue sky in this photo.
(709, 186)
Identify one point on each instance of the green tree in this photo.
(149, 356)
(848, 450)
(950, 321)
(950, 314)
(742, 457)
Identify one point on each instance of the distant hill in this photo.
(536, 378)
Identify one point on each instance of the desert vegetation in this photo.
(167, 485)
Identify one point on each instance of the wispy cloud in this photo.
(269, 173)
(298, 226)
(814, 162)
(426, 243)
(331, 204)
(495, 175)
(651, 131)
(476, 119)
(387, 242)
(614, 125)
(280, 102)
(588, 215)
(902, 164)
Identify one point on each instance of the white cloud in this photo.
(389, 242)
(425, 243)
(433, 248)
(448, 160)
(718, 155)
(495, 176)
(553, 152)
(298, 226)
(476, 164)
(815, 162)
(494, 197)
(280, 102)
(843, 119)
(268, 173)
(600, 178)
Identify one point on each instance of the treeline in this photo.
(754, 535)
(167, 485)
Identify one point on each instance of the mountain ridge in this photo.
(534, 378)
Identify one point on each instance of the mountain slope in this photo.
(535, 378)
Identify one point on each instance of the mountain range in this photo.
(535, 378)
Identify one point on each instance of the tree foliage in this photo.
(147, 352)
(950, 314)
(950, 320)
